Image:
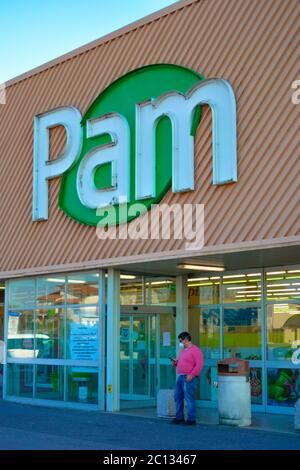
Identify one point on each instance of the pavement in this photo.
(24, 427)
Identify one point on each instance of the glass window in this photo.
(21, 293)
(255, 378)
(168, 341)
(161, 291)
(51, 290)
(82, 384)
(20, 380)
(242, 332)
(62, 323)
(49, 382)
(242, 288)
(83, 288)
(283, 320)
(140, 356)
(208, 380)
(125, 352)
(283, 387)
(132, 291)
(20, 342)
(205, 325)
(2, 288)
(50, 333)
(204, 290)
(82, 333)
(283, 284)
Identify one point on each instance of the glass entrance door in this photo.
(146, 343)
(135, 346)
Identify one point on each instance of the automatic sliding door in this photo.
(140, 357)
(125, 357)
(135, 344)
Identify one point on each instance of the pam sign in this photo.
(135, 142)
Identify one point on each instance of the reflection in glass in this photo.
(208, 380)
(21, 293)
(20, 342)
(131, 291)
(82, 384)
(204, 323)
(242, 288)
(283, 322)
(161, 291)
(83, 288)
(20, 380)
(204, 290)
(1, 337)
(283, 285)
(283, 387)
(1, 314)
(255, 378)
(140, 356)
(49, 382)
(83, 333)
(124, 355)
(50, 333)
(168, 339)
(242, 332)
(51, 290)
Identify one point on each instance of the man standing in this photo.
(188, 367)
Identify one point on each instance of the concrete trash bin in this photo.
(234, 393)
(166, 404)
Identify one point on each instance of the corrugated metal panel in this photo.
(255, 44)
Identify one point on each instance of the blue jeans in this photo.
(185, 390)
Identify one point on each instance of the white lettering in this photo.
(296, 94)
(117, 153)
(43, 168)
(216, 93)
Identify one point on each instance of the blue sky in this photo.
(33, 32)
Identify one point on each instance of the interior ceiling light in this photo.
(243, 287)
(199, 267)
(231, 276)
(276, 272)
(125, 276)
(54, 279)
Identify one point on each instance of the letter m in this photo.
(180, 109)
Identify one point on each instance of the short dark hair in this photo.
(185, 335)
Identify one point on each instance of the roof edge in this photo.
(102, 40)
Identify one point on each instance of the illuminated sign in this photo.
(134, 142)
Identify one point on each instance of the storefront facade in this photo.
(90, 321)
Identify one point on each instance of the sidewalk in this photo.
(260, 421)
(35, 428)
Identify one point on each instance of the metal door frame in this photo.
(150, 311)
(131, 396)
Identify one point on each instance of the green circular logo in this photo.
(121, 97)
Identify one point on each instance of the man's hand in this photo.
(189, 378)
(174, 362)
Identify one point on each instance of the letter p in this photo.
(45, 169)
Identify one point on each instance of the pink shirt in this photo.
(190, 361)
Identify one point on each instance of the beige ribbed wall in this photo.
(254, 44)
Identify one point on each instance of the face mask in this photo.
(181, 345)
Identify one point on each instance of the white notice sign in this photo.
(166, 338)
